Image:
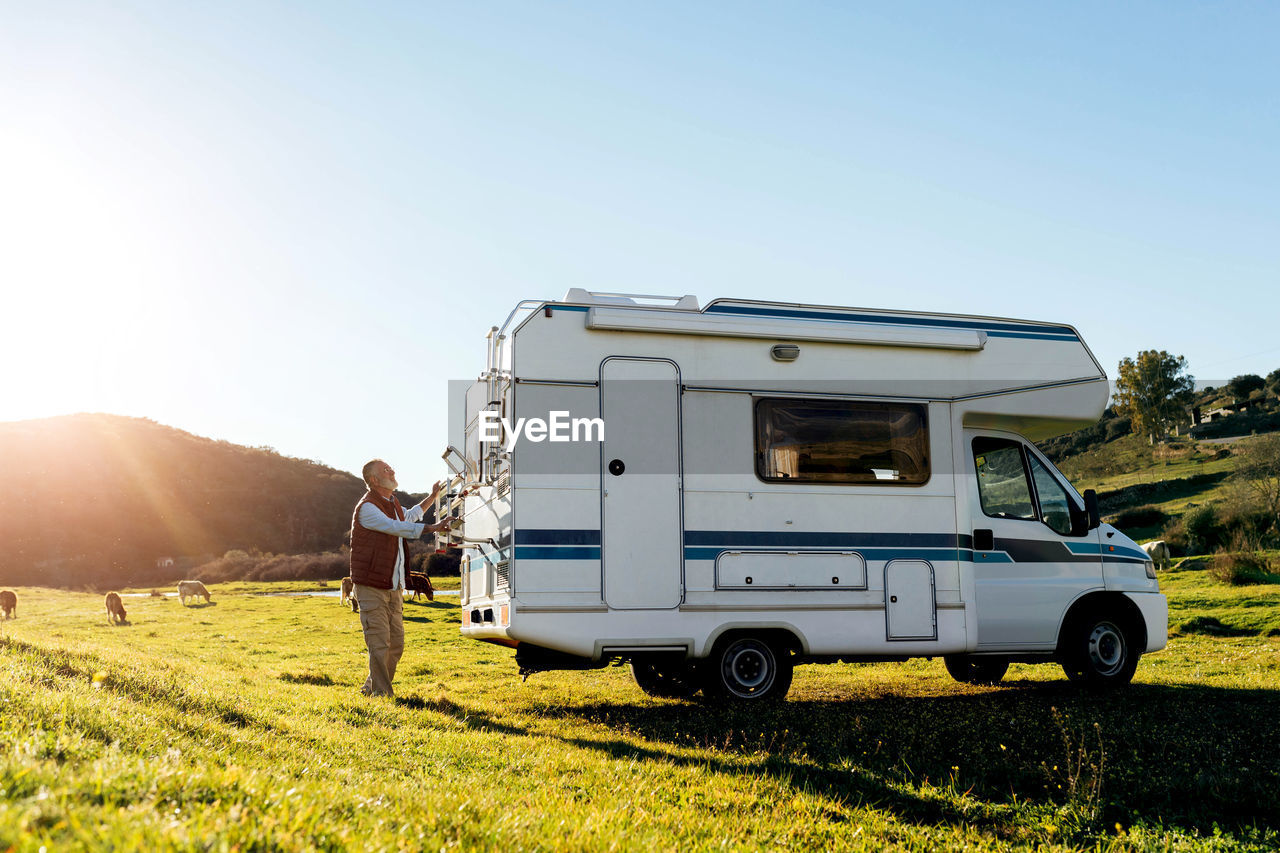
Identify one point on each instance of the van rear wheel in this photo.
(747, 669)
(1100, 650)
(971, 669)
(667, 679)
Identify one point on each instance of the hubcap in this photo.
(748, 668)
(1106, 648)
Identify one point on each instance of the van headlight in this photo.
(1151, 569)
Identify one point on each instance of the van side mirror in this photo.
(1091, 508)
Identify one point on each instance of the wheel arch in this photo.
(1115, 603)
(778, 634)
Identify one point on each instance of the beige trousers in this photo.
(382, 618)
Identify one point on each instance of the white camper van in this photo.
(719, 493)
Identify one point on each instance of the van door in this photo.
(910, 596)
(1033, 553)
(641, 518)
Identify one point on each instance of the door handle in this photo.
(616, 467)
(984, 540)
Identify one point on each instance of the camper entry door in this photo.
(641, 528)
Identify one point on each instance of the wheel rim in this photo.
(1106, 649)
(748, 668)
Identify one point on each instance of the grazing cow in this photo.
(1158, 551)
(8, 603)
(191, 589)
(348, 594)
(115, 608)
(420, 584)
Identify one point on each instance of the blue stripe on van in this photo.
(1116, 552)
(555, 536)
(584, 544)
(944, 554)
(993, 328)
(557, 552)
(774, 539)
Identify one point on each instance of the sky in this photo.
(291, 224)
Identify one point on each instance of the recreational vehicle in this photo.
(719, 493)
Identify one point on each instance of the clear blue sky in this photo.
(291, 224)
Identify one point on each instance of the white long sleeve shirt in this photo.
(373, 518)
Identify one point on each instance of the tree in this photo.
(1273, 382)
(1242, 386)
(1154, 390)
(1259, 469)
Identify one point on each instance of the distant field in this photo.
(237, 725)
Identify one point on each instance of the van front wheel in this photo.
(747, 669)
(970, 669)
(1100, 651)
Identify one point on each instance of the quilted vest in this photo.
(373, 554)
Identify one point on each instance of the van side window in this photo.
(1055, 506)
(1002, 479)
(842, 441)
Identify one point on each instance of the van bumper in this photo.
(1155, 614)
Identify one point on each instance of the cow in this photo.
(1158, 551)
(348, 594)
(8, 603)
(115, 608)
(420, 584)
(192, 589)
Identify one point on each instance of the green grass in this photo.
(237, 725)
(1200, 604)
(1130, 461)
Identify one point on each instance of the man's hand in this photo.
(431, 498)
(439, 526)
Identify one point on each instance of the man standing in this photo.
(379, 563)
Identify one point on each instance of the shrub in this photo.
(1141, 516)
(1117, 428)
(239, 566)
(1175, 536)
(1204, 530)
(1239, 569)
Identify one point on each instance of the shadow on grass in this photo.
(430, 605)
(1185, 755)
(201, 605)
(470, 718)
(1212, 627)
(427, 611)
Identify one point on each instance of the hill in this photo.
(96, 500)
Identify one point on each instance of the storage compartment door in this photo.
(910, 612)
(641, 532)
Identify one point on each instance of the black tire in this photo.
(665, 679)
(746, 669)
(1100, 650)
(974, 669)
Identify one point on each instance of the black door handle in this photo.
(984, 540)
(616, 467)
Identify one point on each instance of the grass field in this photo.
(1188, 474)
(237, 725)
